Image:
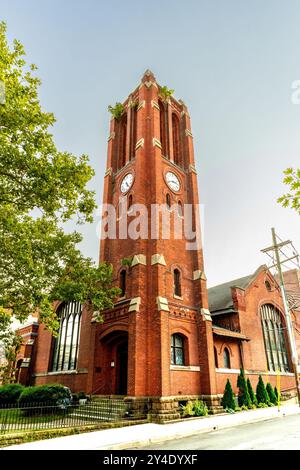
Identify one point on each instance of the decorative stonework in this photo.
(141, 105)
(134, 305)
(138, 259)
(158, 259)
(188, 133)
(112, 135)
(154, 104)
(162, 304)
(148, 84)
(96, 316)
(140, 143)
(156, 143)
(192, 169)
(199, 275)
(206, 314)
(108, 172)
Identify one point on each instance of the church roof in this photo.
(220, 297)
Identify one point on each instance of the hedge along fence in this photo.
(50, 394)
(10, 393)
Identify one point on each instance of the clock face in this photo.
(172, 181)
(126, 183)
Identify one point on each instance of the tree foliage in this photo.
(116, 111)
(165, 93)
(228, 400)
(261, 392)
(40, 189)
(292, 197)
(243, 396)
(251, 393)
(10, 343)
(272, 395)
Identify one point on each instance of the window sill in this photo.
(178, 297)
(63, 372)
(185, 368)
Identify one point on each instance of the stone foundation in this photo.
(164, 409)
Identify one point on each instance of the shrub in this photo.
(252, 394)
(200, 408)
(262, 405)
(187, 410)
(271, 393)
(261, 392)
(10, 393)
(243, 397)
(49, 394)
(228, 400)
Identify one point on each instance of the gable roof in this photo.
(220, 297)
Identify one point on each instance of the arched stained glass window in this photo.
(274, 338)
(226, 358)
(65, 350)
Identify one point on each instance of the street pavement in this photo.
(276, 434)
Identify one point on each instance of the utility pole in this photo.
(290, 332)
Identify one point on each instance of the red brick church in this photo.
(168, 337)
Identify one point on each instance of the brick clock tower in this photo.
(157, 341)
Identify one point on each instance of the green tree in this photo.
(243, 396)
(292, 198)
(11, 344)
(251, 393)
(271, 393)
(40, 189)
(228, 400)
(261, 392)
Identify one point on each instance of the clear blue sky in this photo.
(232, 62)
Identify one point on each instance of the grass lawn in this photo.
(17, 416)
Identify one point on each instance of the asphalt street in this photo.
(275, 434)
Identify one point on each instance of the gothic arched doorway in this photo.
(113, 362)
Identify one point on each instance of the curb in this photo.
(208, 429)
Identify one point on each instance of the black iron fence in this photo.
(35, 416)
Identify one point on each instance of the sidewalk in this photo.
(145, 434)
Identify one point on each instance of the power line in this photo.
(276, 250)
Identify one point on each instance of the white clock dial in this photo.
(126, 183)
(172, 181)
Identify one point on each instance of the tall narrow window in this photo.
(133, 132)
(65, 351)
(176, 139)
(179, 208)
(177, 283)
(163, 129)
(123, 282)
(177, 350)
(274, 338)
(226, 359)
(129, 202)
(216, 357)
(168, 201)
(122, 142)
